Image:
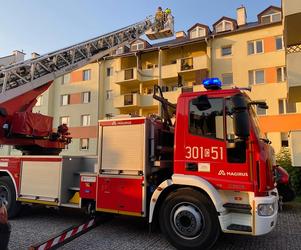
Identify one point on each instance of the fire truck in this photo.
(205, 171)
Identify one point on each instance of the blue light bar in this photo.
(212, 83)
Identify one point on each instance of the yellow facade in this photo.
(123, 83)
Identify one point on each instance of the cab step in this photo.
(241, 228)
(238, 208)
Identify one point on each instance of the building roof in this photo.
(227, 19)
(272, 7)
(186, 40)
(197, 25)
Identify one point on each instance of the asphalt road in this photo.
(37, 224)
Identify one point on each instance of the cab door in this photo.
(201, 146)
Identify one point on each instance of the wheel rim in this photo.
(187, 220)
(4, 194)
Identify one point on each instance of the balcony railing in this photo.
(186, 64)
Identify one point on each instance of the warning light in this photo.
(212, 83)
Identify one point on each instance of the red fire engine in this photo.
(208, 171)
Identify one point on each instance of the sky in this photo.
(43, 26)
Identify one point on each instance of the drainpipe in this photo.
(160, 75)
(209, 43)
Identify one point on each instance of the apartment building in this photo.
(243, 54)
(292, 37)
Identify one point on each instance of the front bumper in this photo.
(265, 224)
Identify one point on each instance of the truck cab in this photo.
(223, 170)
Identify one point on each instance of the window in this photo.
(256, 76)
(128, 74)
(137, 46)
(39, 101)
(279, 42)
(227, 50)
(284, 139)
(281, 74)
(109, 94)
(84, 144)
(65, 100)
(119, 51)
(206, 122)
(128, 99)
(271, 18)
(65, 120)
(110, 71)
(286, 107)
(197, 32)
(86, 75)
(224, 26)
(86, 120)
(260, 111)
(227, 79)
(86, 97)
(66, 79)
(255, 47)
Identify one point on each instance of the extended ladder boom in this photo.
(23, 77)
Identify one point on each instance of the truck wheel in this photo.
(189, 220)
(8, 194)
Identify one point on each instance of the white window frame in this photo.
(254, 77)
(86, 99)
(89, 74)
(223, 23)
(86, 120)
(81, 144)
(283, 74)
(65, 100)
(120, 51)
(226, 47)
(39, 101)
(137, 46)
(197, 32)
(65, 120)
(255, 47)
(225, 75)
(66, 78)
(271, 17)
(285, 108)
(277, 37)
(257, 108)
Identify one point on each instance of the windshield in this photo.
(254, 118)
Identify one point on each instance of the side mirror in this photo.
(241, 116)
(201, 102)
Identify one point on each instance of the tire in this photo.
(8, 193)
(189, 220)
(287, 192)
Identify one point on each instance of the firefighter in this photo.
(167, 18)
(159, 19)
(5, 228)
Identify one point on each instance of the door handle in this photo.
(191, 166)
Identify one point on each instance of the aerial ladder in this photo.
(21, 83)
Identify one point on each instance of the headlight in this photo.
(266, 209)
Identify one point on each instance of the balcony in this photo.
(193, 63)
(294, 75)
(127, 76)
(292, 20)
(127, 100)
